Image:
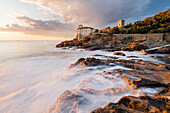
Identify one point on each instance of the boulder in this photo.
(67, 103)
(90, 62)
(66, 44)
(143, 51)
(168, 58)
(119, 53)
(135, 47)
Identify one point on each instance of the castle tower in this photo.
(121, 24)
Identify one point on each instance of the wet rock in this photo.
(168, 58)
(132, 57)
(104, 56)
(164, 92)
(90, 62)
(119, 53)
(67, 103)
(142, 69)
(66, 44)
(161, 50)
(143, 51)
(98, 55)
(168, 66)
(143, 74)
(146, 83)
(112, 49)
(142, 104)
(159, 57)
(95, 48)
(151, 56)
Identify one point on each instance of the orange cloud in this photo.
(49, 28)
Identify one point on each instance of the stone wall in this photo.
(157, 37)
(167, 37)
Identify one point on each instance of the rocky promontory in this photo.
(117, 42)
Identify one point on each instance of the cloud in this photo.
(39, 27)
(96, 13)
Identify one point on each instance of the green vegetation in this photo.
(159, 23)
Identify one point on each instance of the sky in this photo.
(59, 19)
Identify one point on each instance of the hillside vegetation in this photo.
(159, 23)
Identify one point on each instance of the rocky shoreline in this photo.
(144, 75)
(114, 43)
(150, 79)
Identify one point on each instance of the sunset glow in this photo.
(58, 20)
(84, 56)
(16, 36)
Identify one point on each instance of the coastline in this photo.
(149, 78)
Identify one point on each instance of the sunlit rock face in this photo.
(85, 100)
(142, 104)
(125, 75)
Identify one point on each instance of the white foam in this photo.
(34, 74)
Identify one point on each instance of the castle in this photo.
(85, 31)
(121, 24)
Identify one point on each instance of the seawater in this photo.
(33, 74)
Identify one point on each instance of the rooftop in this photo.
(86, 28)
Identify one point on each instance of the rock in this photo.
(164, 93)
(142, 82)
(142, 104)
(135, 47)
(98, 55)
(151, 56)
(90, 62)
(119, 53)
(98, 110)
(161, 50)
(66, 44)
(159, 57)
(132, 57)
(143, 69)
(168, 58)
(95, 48)
(143, 51)
(168, 66)
(67, 103)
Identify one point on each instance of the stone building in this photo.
(84, 31)
(121, 24)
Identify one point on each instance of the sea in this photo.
(34, 74)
